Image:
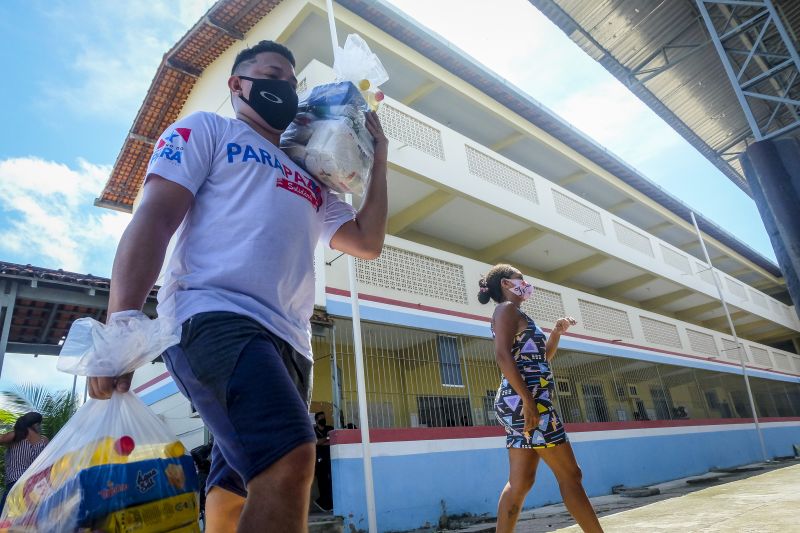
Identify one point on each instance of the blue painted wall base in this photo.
(414, 491)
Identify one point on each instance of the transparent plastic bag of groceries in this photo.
(329, 138)
(115, 466)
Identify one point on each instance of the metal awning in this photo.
(663, 52)
(38, 306)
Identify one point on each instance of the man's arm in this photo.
(363, 237)
(139, 257)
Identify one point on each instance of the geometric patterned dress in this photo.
(529, 354)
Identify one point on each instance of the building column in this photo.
(7, 300)
(773, 173)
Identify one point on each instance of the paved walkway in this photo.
(764, 501)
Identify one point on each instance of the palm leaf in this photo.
(58, 408)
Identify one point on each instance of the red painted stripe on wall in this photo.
(153, 381)
(352, 436)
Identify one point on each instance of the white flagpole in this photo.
(735, 338)
(358, 348)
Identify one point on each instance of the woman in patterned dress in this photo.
(524, 402)
(25, 443)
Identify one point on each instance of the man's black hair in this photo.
(319, 413)
(249, 54)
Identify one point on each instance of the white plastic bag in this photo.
(115, 466)
(129, 340)
(356, 62)
(329, 137)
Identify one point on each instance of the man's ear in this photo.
(235, 84)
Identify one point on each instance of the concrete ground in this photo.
(763, 499)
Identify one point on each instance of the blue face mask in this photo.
(274, 100)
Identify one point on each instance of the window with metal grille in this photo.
(782, 361)
(730, 351)
(736, 288)
(704, 273)
(633, 239)
(414, 273)
(574, 210)
(761, 356)
(563, 387)
(758, 298)
(413, 132)
(490, 169)
(605, 319)
(662, 333)
(702, 342)
(544, 305)
(449, 361)
(676, 259)
(444, 411)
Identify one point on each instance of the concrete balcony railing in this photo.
(424, 147)
(426, 279)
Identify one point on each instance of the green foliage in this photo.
(56, 407)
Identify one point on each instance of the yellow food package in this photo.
(161, 516)
(191, 528)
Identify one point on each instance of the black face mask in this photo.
(322, 421)
(274, 100)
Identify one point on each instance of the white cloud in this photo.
(609, 114)
(50, 219)
(117, 58)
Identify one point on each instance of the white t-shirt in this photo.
(247, 244)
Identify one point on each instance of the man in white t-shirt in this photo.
(241, 281)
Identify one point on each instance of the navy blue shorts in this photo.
(251, 389)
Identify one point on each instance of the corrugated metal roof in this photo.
(636, 39)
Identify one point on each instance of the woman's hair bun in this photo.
(483, 291)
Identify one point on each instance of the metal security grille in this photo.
(761, 356)
(604, 319)
(730, 351)
(419, 378)
(661, 333)
(544, 306)
(633, 239)
(782, 361)
(490, 169)
(414, 273)
(702, 343)
(676, 259)
(758, 298)
(705, 273)
(410, 131)
(736, 288)
(577, 212)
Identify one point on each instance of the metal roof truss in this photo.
(761, 61)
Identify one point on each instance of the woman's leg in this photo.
(562, 462)
(522, 472)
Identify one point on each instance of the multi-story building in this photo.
(649, 380)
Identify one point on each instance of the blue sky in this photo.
(77, 72)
